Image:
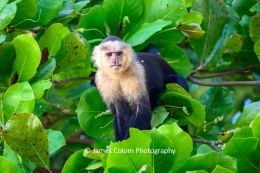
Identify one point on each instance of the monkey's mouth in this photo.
(116, 66)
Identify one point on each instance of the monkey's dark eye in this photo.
(119, 53)
(109, 54)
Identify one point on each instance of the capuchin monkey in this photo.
(130, 83)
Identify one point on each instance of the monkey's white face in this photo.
(113, 56)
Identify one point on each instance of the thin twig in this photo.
(223, 73)
(225, 83)
(59, 82)
(211, 143)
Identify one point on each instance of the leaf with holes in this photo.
(25, 135)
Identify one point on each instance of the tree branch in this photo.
(59, 82)
(225, 83)
(211, 143)
(224, 73)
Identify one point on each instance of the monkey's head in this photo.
(113, 55)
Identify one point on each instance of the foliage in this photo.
(49, 109)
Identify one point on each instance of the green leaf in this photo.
(172, 53)
(48, 10)
(76, 163)
(45, 71)
(19, 98)
(220, 169)
(164, 10)
(56, 140)
(93, 23)
(254, 28)
(242, 7)
(257, 48)
(131, 160)
(248, 114)
(203, 149)
(94, 166)
(7, 166)
(52, 38)
(117, 10)
(192, 17)
(25, 134)
(215, 17)
(40, 86)
(74, 52)
(92, 116)
(182, 143)
(2, 4)
(255, 8)
(146, 31)
(7, 14)
(159, 115)
(256, 126)
(22, 165)
(28, 56)
(190, 25)
(7, 56)
(26, 9)
(219, 102)
(209, 161)
(183, 106)
(243, 147)
(234, 43)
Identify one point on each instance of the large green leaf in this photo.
(7, 14)
(183, 106)
(243, 147)
(215, 17)
(74, 52)
(19, 98)
(209, 161)
(56, 140)
(48, 10)
(219, 102)
(7, 166)
(25, 134)
(26, 9)
(117, 10)
(7, 56)
(249, 113)
(28, 56)
(146, 31)
(93, 23)
(52, 38)
(76, 163)
(165, 10)
(92, 116)
(182, 143)
(129, 153)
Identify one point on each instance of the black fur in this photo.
(138, 115)
(158, 74)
